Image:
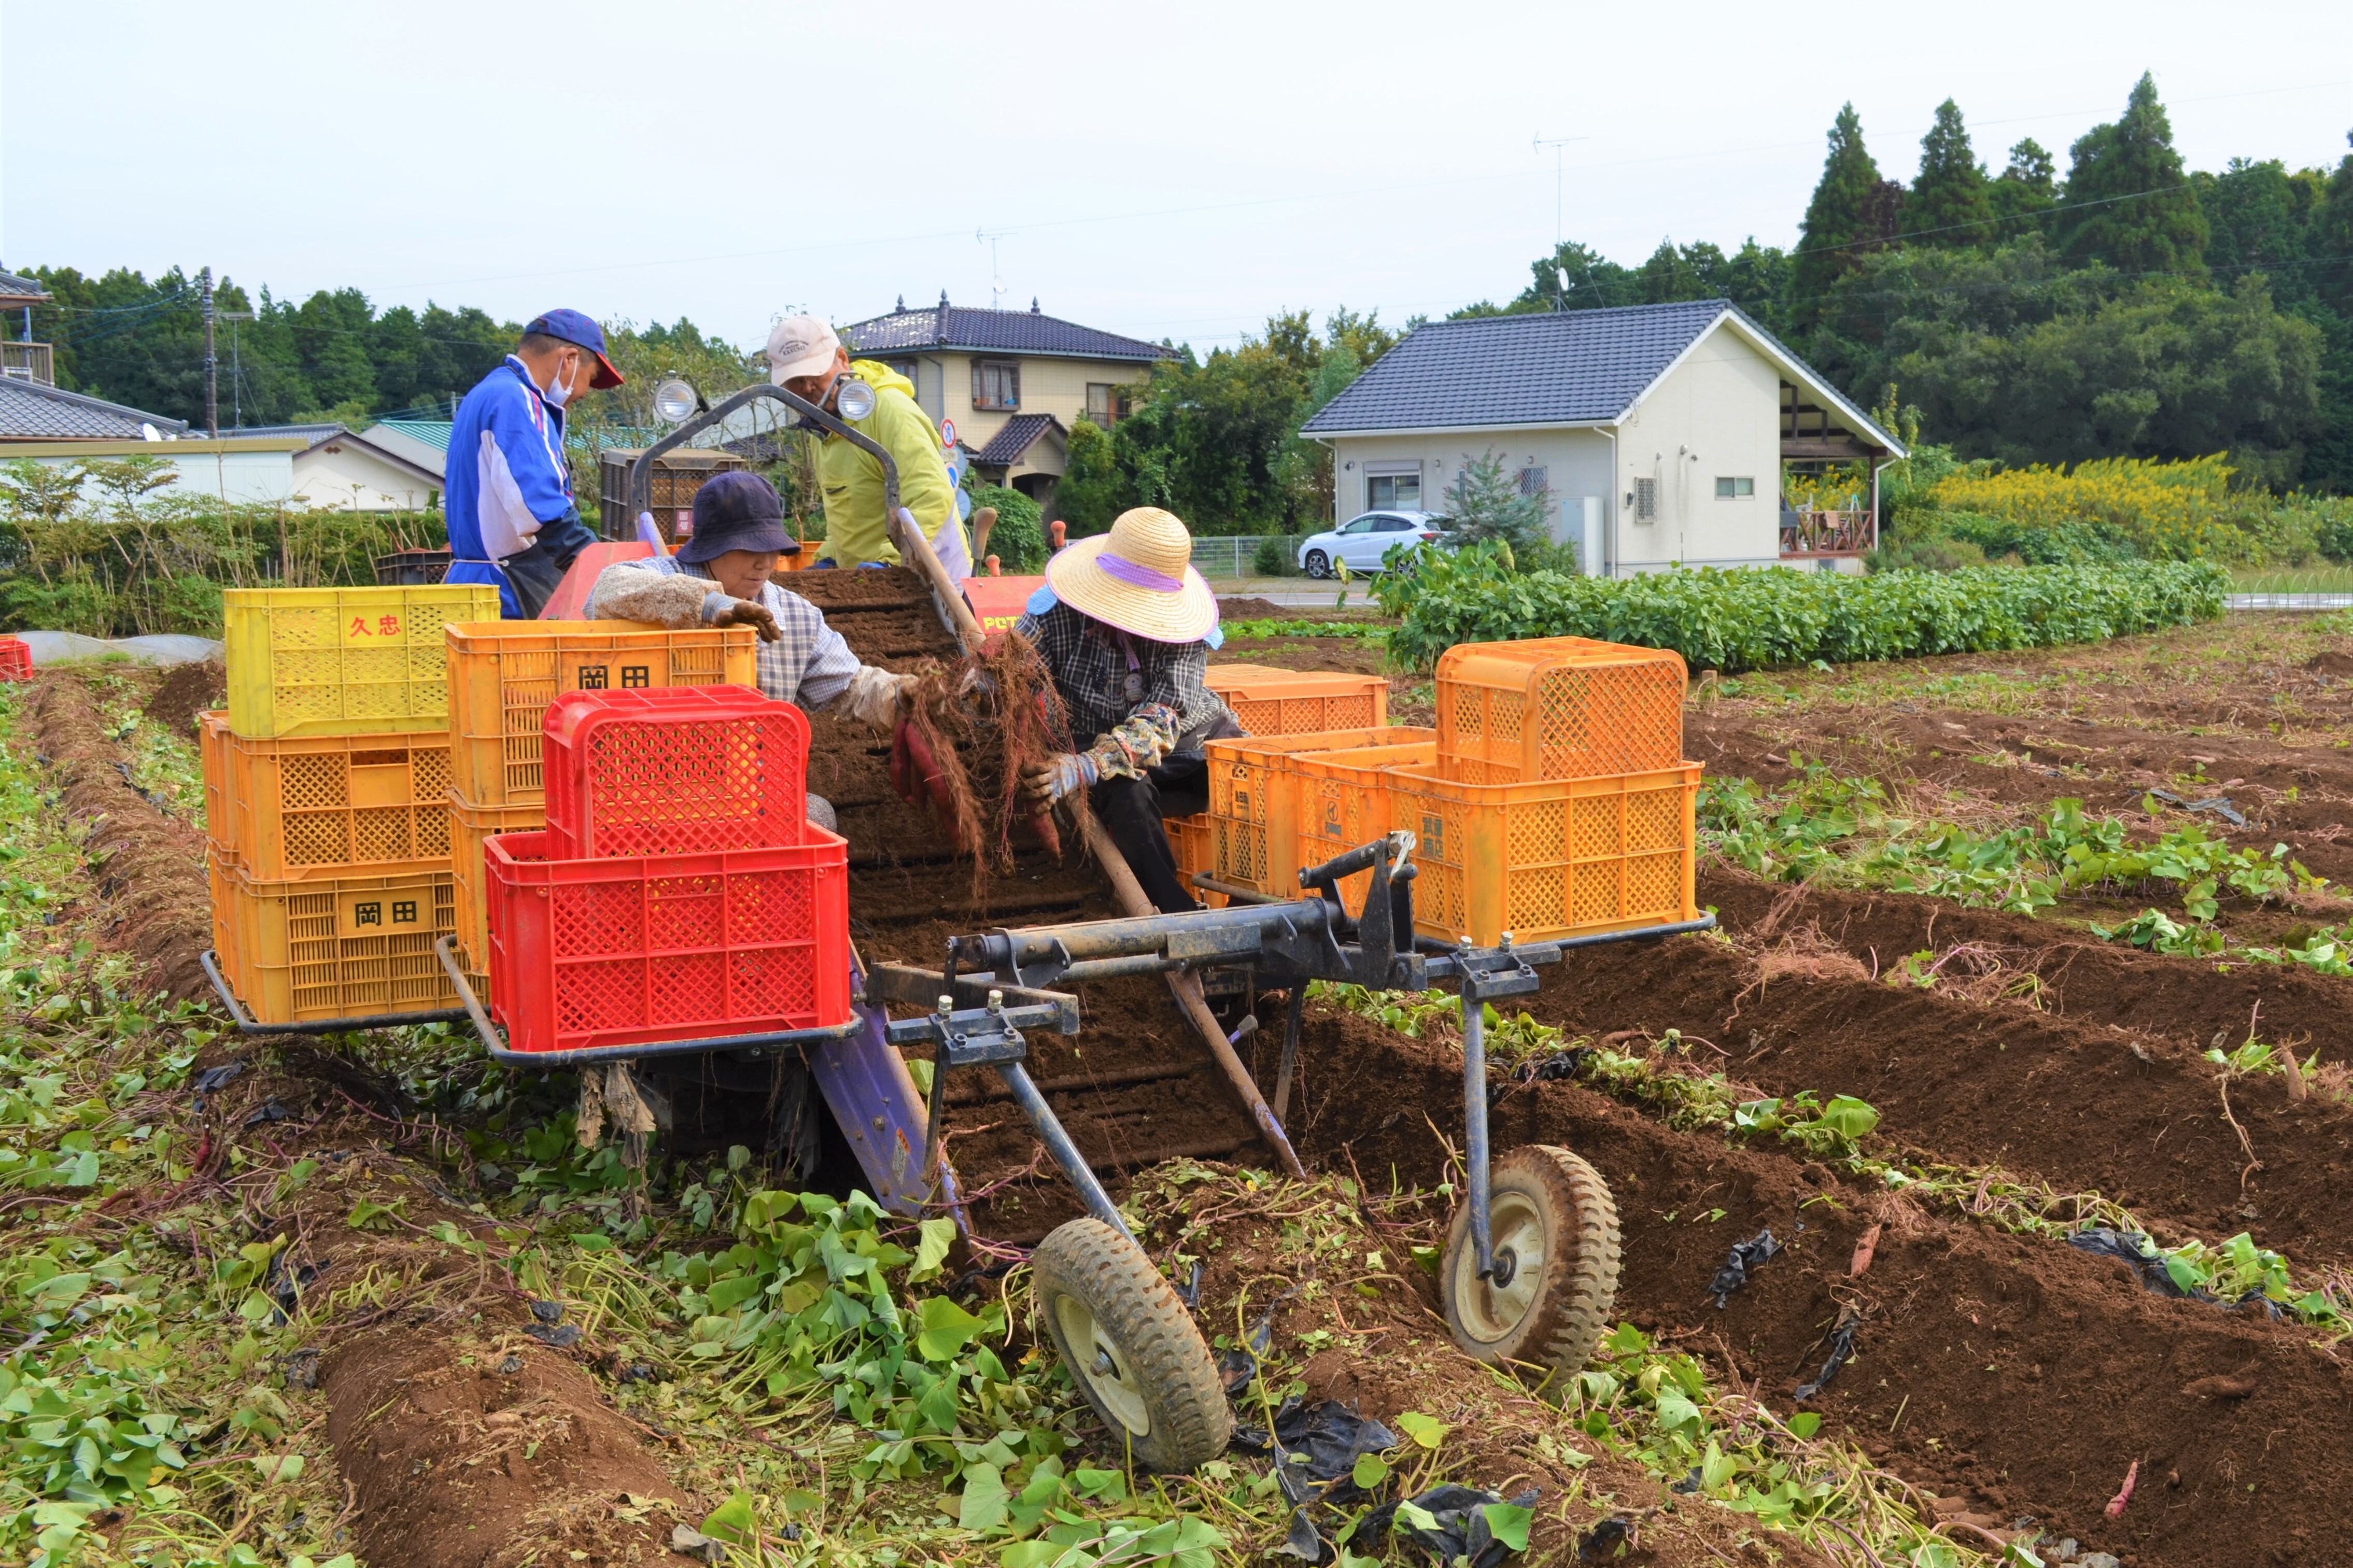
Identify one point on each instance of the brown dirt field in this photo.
(2021, 1375)
(185, 691)
(149, 867)
(2085, 1106)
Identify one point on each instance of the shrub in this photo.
(1019, 539)
(1754, 619)
(1278, 555)
(2170, 511)
(1923, 552)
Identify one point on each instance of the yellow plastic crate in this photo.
(1340, 800)
(1192, 840)
(1559, 857)
(504, 674)
(348, 947)
(324, 806)
(341, 661)
(1296, 702)
(1557, 708)
(470, 825)
(1253, 813)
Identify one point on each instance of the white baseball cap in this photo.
(801, 345)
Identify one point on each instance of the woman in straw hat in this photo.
(1125, 625)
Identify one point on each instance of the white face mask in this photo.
(559, 386)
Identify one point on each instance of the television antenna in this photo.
(996, 281)
(1537, 144)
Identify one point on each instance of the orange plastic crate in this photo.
(327, 806)
(1559, 858)
(1254, 820)
(504, 674)
(1340, 800)
(1193, 840)
(472, 826)
(326, 948)
(1557, 708)
(1297, 702)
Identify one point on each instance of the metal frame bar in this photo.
(783, 1039)
(642, 472)
(248, 1025)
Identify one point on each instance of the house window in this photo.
(1532, 483)
(1105, 404)
(1728, 487)
(1393, 492)
(1644, 500)
(996, 384)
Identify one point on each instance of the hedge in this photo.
(1754, 619)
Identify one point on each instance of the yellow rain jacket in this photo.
(852, 480)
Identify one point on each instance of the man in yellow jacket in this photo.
(806, 357)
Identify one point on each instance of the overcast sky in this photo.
(1176, 171)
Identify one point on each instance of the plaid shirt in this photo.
(1090, 663)
(809, 666)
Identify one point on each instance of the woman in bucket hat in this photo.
(1125, 625)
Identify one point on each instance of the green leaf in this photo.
(938, 1236)
(946, 1328)
(733, 1522)
(1371, 1472)
(1422, 1429)
(1850, 1118)
(727, 1293)
(275, 1467)
(366, 1215)
(1677, 1413)
(1509, 1523)
(595, 1241)
(1805, 1424)
(983, 1503)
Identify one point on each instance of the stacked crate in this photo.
(1275, 702)
(326, 786)
(503, 677)
(1551, 799)
(15, 660)
(677, 891)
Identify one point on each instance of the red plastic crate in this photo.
(635, 949)
(15, 660)
(673, 770)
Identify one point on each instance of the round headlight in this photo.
(675, 400)
(855, 401)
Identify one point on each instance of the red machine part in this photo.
(570, 600)
(639, 950)
(672, 770)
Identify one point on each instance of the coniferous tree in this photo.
(2024, 191)
(1842, 221)
(1948, 205)
(2129, 202)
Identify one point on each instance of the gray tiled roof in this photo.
(1005, 332)
(1564, 368)
(16, 285)
(31, 412)
(1020, 433)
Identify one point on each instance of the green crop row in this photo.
(1756, 619)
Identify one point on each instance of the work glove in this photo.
(741, 613)
(1047, 782)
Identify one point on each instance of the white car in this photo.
(1362, 541)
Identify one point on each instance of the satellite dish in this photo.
(149, 433)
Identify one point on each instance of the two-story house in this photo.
(1014, 382)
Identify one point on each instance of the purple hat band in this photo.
(1128, 572)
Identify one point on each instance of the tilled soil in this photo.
(149, 867)
(2021, 1376)
(2085, 1106)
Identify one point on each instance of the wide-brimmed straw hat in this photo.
(1138, 577)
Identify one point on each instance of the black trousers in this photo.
(1131, 811)
(537, 571)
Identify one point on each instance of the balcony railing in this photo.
(28, 361)
(1807, 534)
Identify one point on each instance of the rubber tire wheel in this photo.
(1318, 565)
(1560, 1323)
(1088, 1267)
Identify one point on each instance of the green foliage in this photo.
(1924, 552)
(2129, 202)
(1019, 539)
(1948, 204)
(98, 547)
(1752, 620)
(1849, 214)
(1094, 488)
(1487, 506)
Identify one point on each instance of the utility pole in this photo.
(212, 363)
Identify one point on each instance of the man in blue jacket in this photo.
(507, 489)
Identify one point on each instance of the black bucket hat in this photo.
(737, 511)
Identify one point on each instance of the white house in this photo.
(363, 471)
(1657, 432)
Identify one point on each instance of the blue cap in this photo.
(572, 327)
